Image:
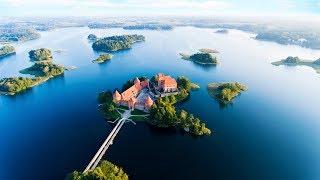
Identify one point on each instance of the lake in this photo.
(271, 131)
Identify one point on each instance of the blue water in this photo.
(269, 132)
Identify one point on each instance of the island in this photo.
(41, 70)
(14, 85)
(41, 54)
(222, 31)
(92, 37)
(44, 69)
(296, 61)
(153, 101)
(103, 58)
(7, 50)
(205, 57)
(225, 92)
(149, 26)
(104, 171)
(116, 43)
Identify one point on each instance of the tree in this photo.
(105, 171)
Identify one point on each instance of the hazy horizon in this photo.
(244, 8)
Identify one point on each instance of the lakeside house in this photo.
(139, 95)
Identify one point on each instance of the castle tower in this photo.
(137, 81)
(116, 97)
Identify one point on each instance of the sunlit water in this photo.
(270, 132)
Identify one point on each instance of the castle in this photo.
(139, 95)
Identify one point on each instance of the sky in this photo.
(159, 7)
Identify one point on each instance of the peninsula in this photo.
(116, 43)
(7, 50)
(225, 92)
(296, 61)
(103, 58)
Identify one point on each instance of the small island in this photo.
(225, 92)
(296, 61)
(7, 50)
(41, 54)
(116, 43)
(103, 58)
(204, 58)
(105, 170)
(92, 37)
(153, 101)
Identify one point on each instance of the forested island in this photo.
(296, 61)
(151, 26)
(163, 113)
(205, 57)
(43, 69)
(7, 50)
(116, 43)
(225, 92)
(92, 37)
(11, 86)
(104, 171)
(41, 54)
(103, 58)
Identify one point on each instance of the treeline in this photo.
(104, 171)
(115, 43)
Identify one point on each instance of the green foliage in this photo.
(184, 83)
(105, 97)
(115, 43)
(103, 58)
(105, 171)
(108, 107)
(46, 69)
(42, 54)
(6, 51)
(226, 92)
(164, 114)
(204, 58)
(14, 85)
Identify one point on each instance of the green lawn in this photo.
(138, 118)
